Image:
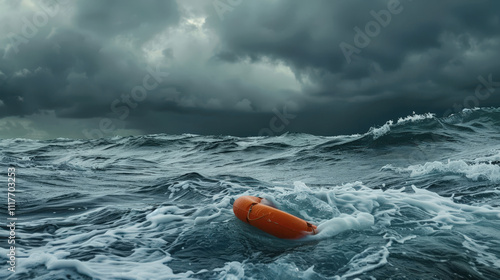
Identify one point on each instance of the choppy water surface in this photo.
(417, 198)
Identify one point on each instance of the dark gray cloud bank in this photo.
(239, 67)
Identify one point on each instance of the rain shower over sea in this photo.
(415, 198)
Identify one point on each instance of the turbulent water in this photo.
(416, 198)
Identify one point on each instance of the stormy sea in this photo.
(415, 198)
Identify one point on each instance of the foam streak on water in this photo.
(414, 199)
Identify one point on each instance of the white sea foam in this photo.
(493, 156)
(474, 171)
(145, 262)
(99, 269)
(358, 202)
(360, 209)
(386, 128)
(416, 117)
(398, 239)
(282, 268)
(166, 214)
(381, 131)
(370, 259)
(231, 270)
(481, 252)
(344, 222)
(366, 209)
(134, 218)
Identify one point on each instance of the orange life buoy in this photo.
(250, 210)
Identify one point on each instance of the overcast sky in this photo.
(98, 68)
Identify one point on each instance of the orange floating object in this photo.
(250, 210)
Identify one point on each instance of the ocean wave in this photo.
(475, 171)
(160, 206)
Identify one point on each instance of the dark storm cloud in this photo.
(428, 57)
(236, 67)
(139, 19)
(307, 36)
(77, 69)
